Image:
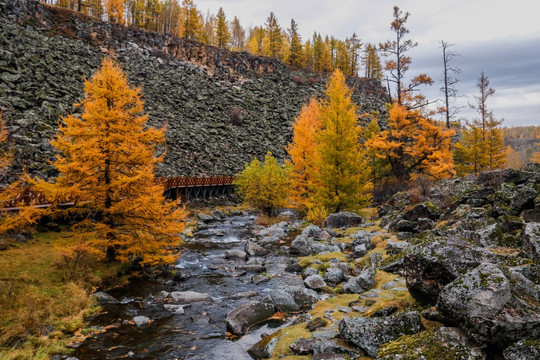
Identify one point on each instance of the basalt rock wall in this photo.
(221, 108)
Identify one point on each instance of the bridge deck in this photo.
(183, 187)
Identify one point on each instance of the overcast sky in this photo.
(501, 38)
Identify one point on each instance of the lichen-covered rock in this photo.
(309, 271)
(424, 210)
(252, 313)
(370, 333)
(304, 246)
(315, 282)
(366, 280)
(344, 219)
(485, 303)
(352, 287)
(315, 232)
(302, 346)
(334, 275)
(523, 350)
(283, 301)
(304, 298)
(395, 247)
(429, 267)
(531, 241)
(524, 199)
(441, 344)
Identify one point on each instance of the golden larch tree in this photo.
(482, 145)
(15, 195)
(106, 167)
(343, 169)
(223, 35)
(303, 155)
(115, 11)
(413, 145)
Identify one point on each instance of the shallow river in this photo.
(199, 333)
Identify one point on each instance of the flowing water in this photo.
(199, 333)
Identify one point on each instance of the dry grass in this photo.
(39, 309)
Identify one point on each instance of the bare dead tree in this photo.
(450, 80)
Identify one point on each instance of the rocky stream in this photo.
(184, 317)
(452, 273)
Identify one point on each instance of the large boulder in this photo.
(344, 219)
(304, 298)
(252, 313)
(493, 305)
(370, 333)
(430, 266)
(283, 301)
(443, 344)
(424, 210)
(523, 350)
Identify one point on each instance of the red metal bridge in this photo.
(185, 188)
(181, 188)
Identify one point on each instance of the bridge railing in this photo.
(29, 197)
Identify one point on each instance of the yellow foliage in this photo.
(303, 153)
(115, 11)
(106, 167)
(26, 216)
(316, 215)
(11, 196)
(343, 168)
(264, 186)
(413, 144)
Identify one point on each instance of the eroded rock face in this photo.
(429, 267)
(487, 305)
(370, 333)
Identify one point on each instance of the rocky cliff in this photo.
(221, 108)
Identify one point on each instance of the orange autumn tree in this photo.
(303, 155)
(12, 195)
(115, 11)
(342, 175)
(413, 145)
(106, 166)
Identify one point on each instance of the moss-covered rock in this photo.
(438, 344)
(370, 333)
